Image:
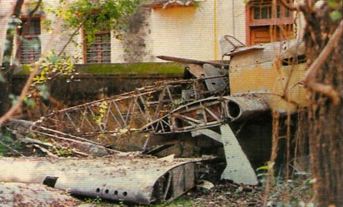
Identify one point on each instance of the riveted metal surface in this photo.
(125, 178)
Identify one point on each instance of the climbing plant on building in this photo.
(92, 16)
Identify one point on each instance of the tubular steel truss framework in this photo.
(207, 113)
(133, 110)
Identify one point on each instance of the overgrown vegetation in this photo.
(8, 146)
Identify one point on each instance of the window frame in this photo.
(274, 20)
(85, 47)
(28, 36)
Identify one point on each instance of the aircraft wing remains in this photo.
(128, 179)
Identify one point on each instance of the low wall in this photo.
(88, 87)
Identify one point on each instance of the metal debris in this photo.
(136, 180)
(131, 110)
(238, 167)
(255, 85)
(206, 113)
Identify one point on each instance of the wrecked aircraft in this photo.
(214, 96)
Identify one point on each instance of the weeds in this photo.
(8, 145)
(288, 193)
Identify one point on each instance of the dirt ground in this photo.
(222, 194)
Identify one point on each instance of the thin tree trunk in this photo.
(7, 73)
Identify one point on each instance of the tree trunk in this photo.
(325, 116)
(7, 73)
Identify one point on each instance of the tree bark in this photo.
(7, 73)
(325, 116)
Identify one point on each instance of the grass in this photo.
(184, 202)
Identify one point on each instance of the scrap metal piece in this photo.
(136, 180)
(238, 167)
(244, 50)
(192, 61)
(273, 71)
(206, 113)
(229, 43)
(196, 70)
(214, 84)
(128, 111)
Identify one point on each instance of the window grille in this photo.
(29, 43)
(99, 51)
(263, 10)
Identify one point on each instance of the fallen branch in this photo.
(310, 81)
(41, 145)
(90, 149)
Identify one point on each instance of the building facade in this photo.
(188, 30)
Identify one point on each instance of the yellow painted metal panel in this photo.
(260, 72)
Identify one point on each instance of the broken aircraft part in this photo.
(131, 110)
(206, 113)
(261, 70)
(258, 82)
(238, 168)
(214, 84)
(128, 179)
(229, 43)
(191, 61)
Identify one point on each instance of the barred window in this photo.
(99, 51)
(29, 43)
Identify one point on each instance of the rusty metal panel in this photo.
(196, 70)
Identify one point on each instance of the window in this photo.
(264, 25)
(29, 43)
(99, 51)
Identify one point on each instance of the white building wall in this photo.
(195, 32)
(183, 32)
(189, 32)
(117, 50)
(5, 8)
(231, 20)
(62, 37)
